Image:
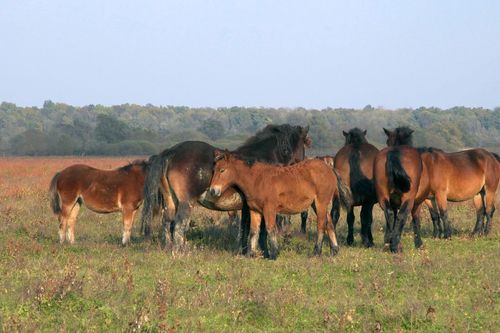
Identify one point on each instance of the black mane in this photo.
(496, 156)
(279, 139)
(129, 166)
(356, 137)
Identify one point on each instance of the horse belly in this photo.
(464, 190)
(101, 199)
(294, 205)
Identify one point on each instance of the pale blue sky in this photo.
(251, 53)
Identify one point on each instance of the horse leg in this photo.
(303, 221)
(350, 227)
(181, 225)
(70, 234)
(416, 226)
(320, 222)
(128, 222)
(255, 221)
(479, 203)
(263, 238)
(334, 246)
(390, 215)
(168, 222)
(441, 202)
(63, 222)
(335, 212)
(366, 224)
(271, 228)
(244, 228)
(279, 222)
(406, 207)
(489, 210)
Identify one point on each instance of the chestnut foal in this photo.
(284, 190)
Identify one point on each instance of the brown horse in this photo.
(287, 190)
(354, 163)
(183, 173)
(397, 172)
(102, 191)
(462, 176)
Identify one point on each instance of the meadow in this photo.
(97, 285)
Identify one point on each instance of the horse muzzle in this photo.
(215, 191)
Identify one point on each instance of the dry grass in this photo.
(96, 285)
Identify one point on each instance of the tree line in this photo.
(129, 129)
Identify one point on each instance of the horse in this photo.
(354, 163)
(271, 189)
(329, 160)
(460, 176)
(397, 174)
(183, 174)
(102, 191)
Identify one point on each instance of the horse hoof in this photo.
(418, 243)
(350, 240)
(398, 248)
(334, 250)
(317, 251)
(386, 247)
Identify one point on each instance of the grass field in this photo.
(96, 285)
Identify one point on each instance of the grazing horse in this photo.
(102, 191)
(354, 163)
(397, 172)
(183, 173)
(271, 189)
(460, 176)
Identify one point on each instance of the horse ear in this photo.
(219, 155)
(386, 131)
(227, 154)
(345, 133)
(364, 132)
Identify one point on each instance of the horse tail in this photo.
(345, 193)
(55, 199)
(396, 173)
(157, 166)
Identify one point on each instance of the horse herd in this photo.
(269, 175)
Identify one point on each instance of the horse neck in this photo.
(247, 175)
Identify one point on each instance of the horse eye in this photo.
(222, 170)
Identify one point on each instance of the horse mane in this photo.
(404, 136)
(356, 137)
(285, 136)
(496, 156)
(142, 163)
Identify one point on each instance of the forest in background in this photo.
(129, 129)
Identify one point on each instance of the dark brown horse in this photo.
(102, 191)
(272, 189)
(183, 174)
(461, 176)
(397, 172)
(354, 163)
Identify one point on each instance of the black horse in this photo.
(183, 174)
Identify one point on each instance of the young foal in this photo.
(286, 190)
(102, 191)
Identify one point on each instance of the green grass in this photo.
(96, 285)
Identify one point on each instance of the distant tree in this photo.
(110, 129)
(213, 128)
(30, 142)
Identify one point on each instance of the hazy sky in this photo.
(251, 53)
